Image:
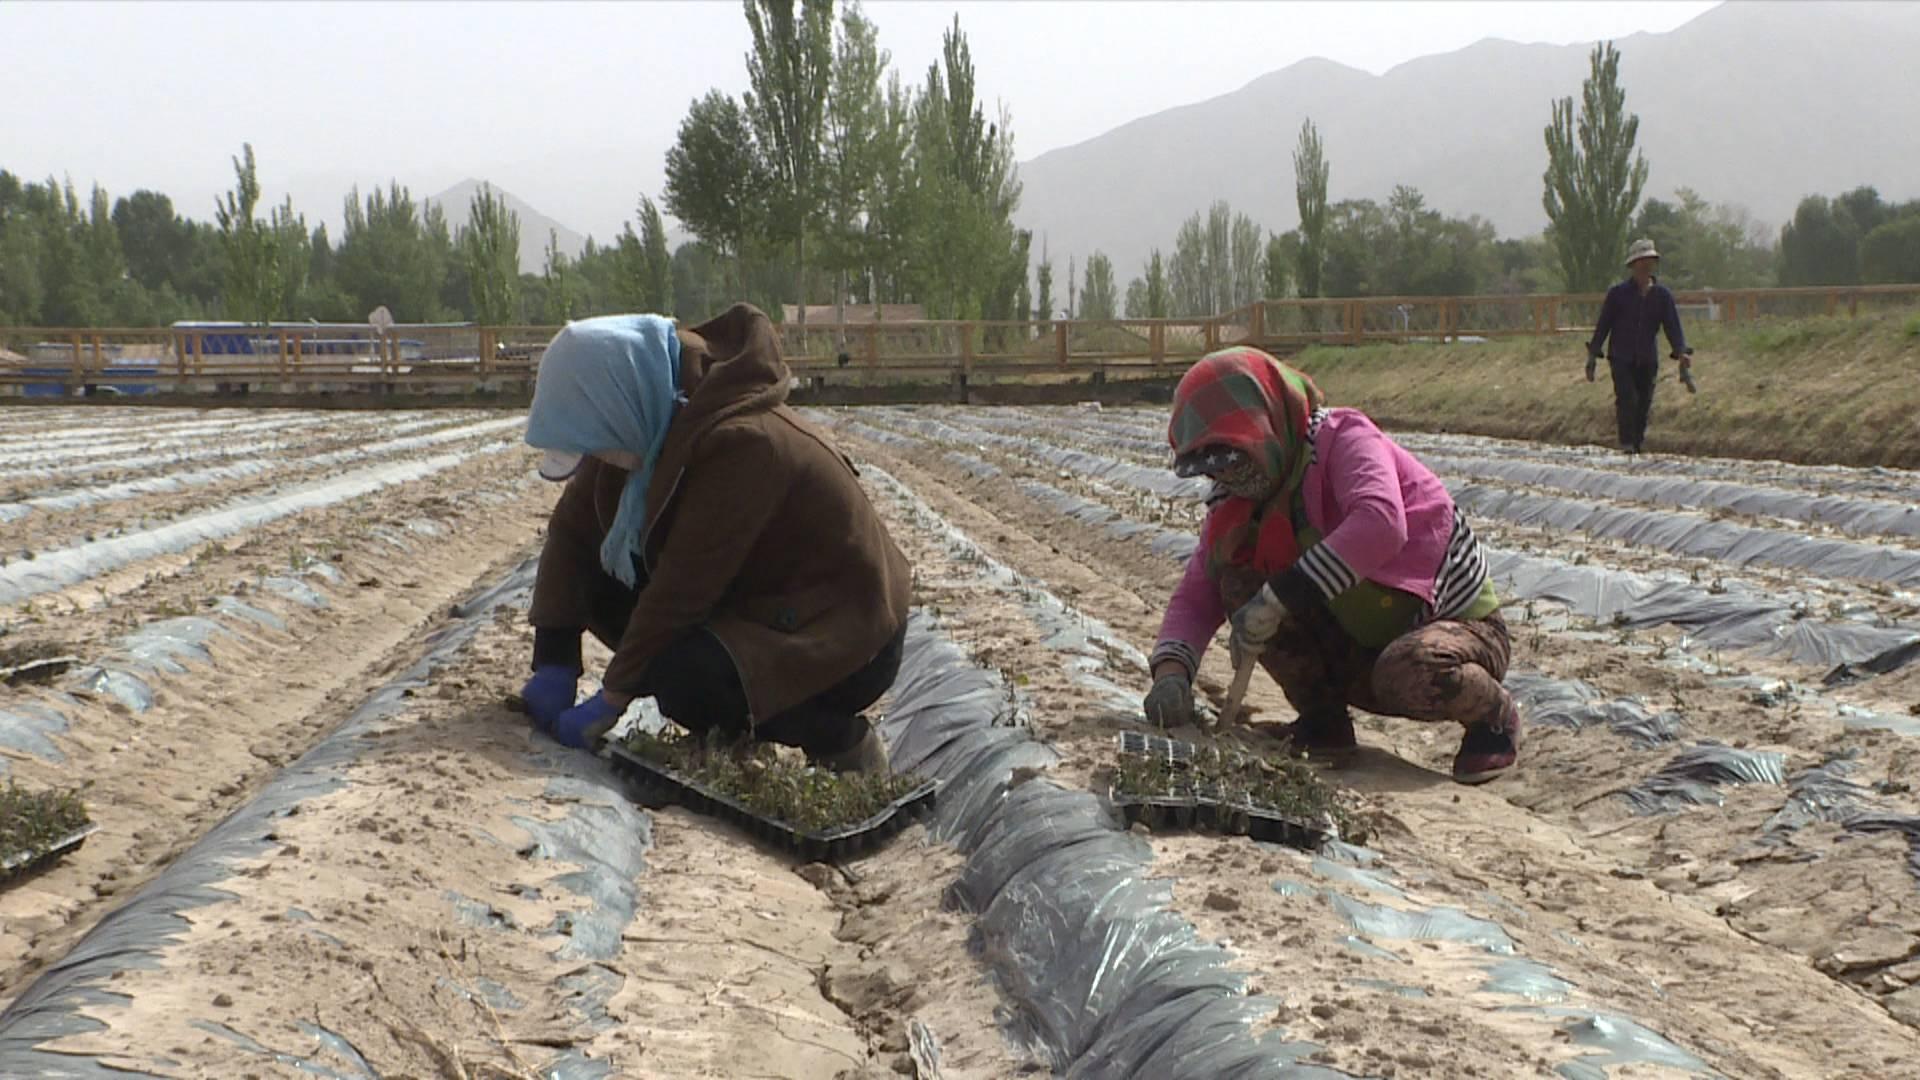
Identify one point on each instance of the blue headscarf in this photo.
(611, 383)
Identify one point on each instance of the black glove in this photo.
(1593, 362)
(1170, 702)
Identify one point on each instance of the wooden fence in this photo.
(465, 359)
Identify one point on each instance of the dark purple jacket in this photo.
(1632, 320)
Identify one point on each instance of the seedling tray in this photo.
(1204, 806)
(43, 670)
(25, 864)
(660, 783)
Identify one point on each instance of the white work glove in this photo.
(1256, 624)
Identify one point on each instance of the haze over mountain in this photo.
(1755, 104)
(457, 203)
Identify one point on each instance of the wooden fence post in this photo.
(1157, 343)
(1060, 343)
(1257, 325)
(76, 368)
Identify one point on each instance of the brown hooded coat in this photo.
(757, 529)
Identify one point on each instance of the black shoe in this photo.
(1324, 735)
(869, 756)
(1489, 749)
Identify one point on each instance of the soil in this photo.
(423, 912)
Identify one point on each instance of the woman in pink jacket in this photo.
(1347, 568)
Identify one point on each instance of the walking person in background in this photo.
(1633, 312)
(1346, 568)
(716, 542)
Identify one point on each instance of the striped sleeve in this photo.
(1462, 572)
(1327, 570)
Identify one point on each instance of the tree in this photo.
(1159, 296)
(789, 69)
(656, 265)
(396, 254)
(1310, 171)
(1189, 280)
(1822, 244)
(1703, 246)
(1594, 176)
(154, 239)
(1043, 295)
(964, 189)
(716, 180)
(1072, 285)
(1136, 302)
(1249, 262)
(1891, 252)
(1282, 253)
(1098, 301)
(558, 277)
(490, 249)
(247, 245)
(860, 135)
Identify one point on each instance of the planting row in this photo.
(172, 703)
(1468, 867)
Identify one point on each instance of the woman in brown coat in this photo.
(716, 542)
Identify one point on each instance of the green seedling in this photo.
(810, 800)
(1282, 786)
(33, 821)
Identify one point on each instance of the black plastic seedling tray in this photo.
(834, 845)
(27, 863)
(43, 670)
(1204, 806)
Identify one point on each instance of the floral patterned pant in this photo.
(1443, 671)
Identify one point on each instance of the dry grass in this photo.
(1820, 390)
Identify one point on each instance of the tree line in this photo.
(832, 178)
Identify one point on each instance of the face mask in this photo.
(1245, 479)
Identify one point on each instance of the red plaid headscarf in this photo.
(1245, 399)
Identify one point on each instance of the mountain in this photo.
(457, 201)
(1755, 104)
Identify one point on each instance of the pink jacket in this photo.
(1384, 517)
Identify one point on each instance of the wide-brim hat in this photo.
(1641, 249)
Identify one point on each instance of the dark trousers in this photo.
(1633, 398)
(697, 686)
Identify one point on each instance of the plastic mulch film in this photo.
(1691, 534)
(1176, 545)
(1578, 705)
(1101, 978)
(78, 498)
(1695, 776)
(62, 473)
(603, 836)
(52, 570)
(1875, 481)
(1848, 513)
(1732, 619)
(1156, 481)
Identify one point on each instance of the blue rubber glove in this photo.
(550, 692)
(583, 725)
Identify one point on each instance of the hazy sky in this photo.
(572, 106)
